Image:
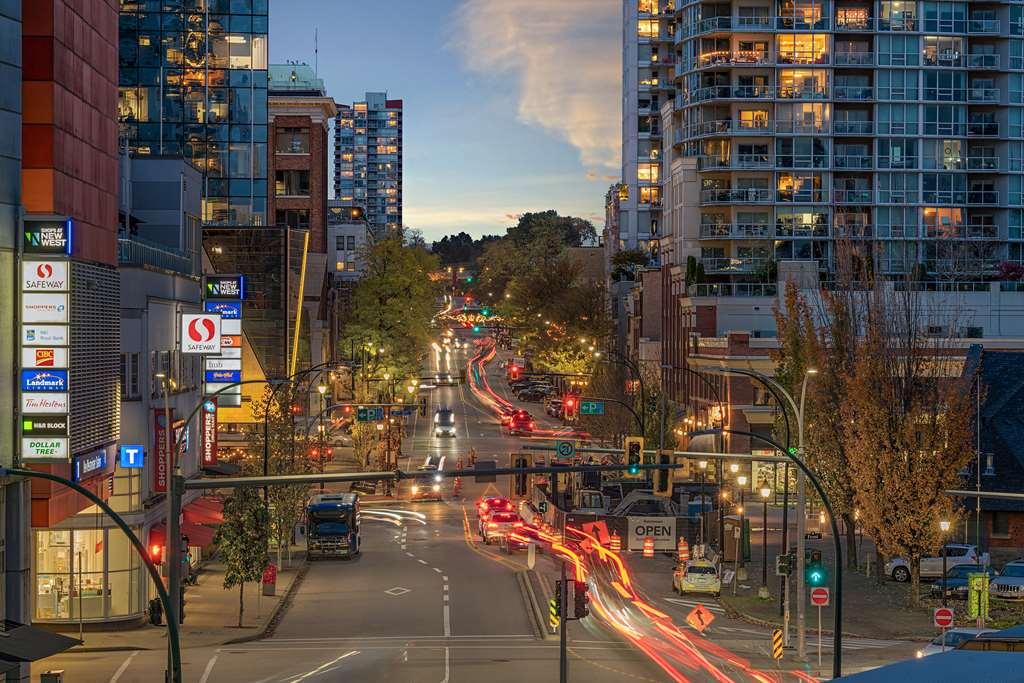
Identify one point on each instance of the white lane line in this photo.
(123, 667)
(447, 667)
(323, 666)
(209, 668)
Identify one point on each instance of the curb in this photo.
(275, 617)
(734, 613)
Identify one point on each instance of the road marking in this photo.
(209, 668)
(320, 668)
(123, 667)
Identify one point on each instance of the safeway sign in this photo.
(200, 333)
(662, 530)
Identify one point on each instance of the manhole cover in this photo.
(397, 590)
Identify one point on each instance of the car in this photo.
(427, 485)
(697, 576)
(950, 640)
(498, 526)
(1010, 583)
(931, 566)
(444, 422)
(956, 580)
(521, 423)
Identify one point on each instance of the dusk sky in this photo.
(509, 105)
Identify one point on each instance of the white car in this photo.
(931, 567)
(1009, 585)
(954, 637)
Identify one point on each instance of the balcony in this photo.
(735, 230)
(852, 161)
(736, 196)
(983, 95)
(854, 58)
(983, 61)
(853, 127)
(733, 289)
(852, 196)
(733, 264)
(853, 93)
(142, 254)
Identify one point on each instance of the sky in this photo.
(509, 106)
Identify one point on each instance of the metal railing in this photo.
(140, 253)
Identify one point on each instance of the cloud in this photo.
(566, 58)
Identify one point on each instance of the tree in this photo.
(242, 540)
(909, 426)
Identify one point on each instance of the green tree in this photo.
(242, 540)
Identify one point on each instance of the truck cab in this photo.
(332, 525)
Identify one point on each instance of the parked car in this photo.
(931, 567)
(956, 580)
(1009, 585)
(953, 638)
(697, 576)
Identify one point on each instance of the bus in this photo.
(332, 525)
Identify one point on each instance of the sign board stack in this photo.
(44, 341)
(223, 296)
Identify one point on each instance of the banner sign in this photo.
(208, 433)
(662, 530)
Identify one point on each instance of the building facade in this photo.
(368, 160)
(647, 83)
(897, 127)
(193, 82)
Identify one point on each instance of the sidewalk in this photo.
(211, 614)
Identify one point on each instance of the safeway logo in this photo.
(201, 329)
(200, 333)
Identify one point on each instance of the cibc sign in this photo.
(44, 319)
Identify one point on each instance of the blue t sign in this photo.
(132, 457)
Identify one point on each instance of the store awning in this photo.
(197, 534)
(204, 511)
(21, 643)
(229, 469)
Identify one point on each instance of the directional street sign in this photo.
(942, 617)
(591, 407)
(565, 449)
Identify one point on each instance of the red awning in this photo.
(197, 534)
(204, 511)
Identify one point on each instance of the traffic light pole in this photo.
(563, 618)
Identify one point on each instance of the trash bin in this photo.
(52, 676)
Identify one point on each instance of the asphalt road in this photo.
(425, 602)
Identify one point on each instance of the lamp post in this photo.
(741, 569)
(703, 466)
(762, 593)
(944, 526)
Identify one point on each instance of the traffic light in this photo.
(815, 571)
(520, 477)
(634, 448)
(580, 599)
(663, 477)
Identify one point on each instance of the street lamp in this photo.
(944, 526)
(703, 466)
(762, 593)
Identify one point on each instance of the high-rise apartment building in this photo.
(193, 82)
(647, 83)
(368, 160)
(894, 126)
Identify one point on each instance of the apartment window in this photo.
(291, 183)
(292, 140)
(130, 376)
(292, 218)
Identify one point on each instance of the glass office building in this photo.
(193, 82)
(898, 125)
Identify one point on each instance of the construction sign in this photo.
(700, 617)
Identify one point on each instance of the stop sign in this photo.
(819, 597)
(943, 617)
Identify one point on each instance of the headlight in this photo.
(436, 487)
(415, 489)
(438, 478)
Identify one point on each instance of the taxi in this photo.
(697, 576)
